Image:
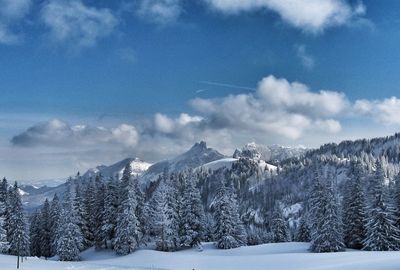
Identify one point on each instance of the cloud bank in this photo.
(277, 111)
(57, 133)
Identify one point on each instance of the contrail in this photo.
(227, 85)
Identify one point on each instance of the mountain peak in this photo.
(202, 145)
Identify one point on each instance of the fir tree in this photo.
(70, 240)
(127, 230)
(354, 210)
(279, 227)
(326, 234)
(18, 230)
(4, 245)
(100, 239)
(54, 223)
(229, 231)
(35, 235)
(81, 212)
(45, 230)
(192, 214)
(69, 237)
(303, 233)
(381, 231)
(165, 217)
(110, 213)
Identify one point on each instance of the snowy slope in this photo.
(282, 256)
(227, 163)
(138, 167)
(196, 156)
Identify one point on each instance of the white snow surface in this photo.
(227, 163)
(220, 163)
(282, 256)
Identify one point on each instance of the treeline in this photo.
(115, 214)
(360, 211)
(366, 217)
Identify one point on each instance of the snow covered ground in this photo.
(269, 256)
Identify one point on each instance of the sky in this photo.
(90, 82)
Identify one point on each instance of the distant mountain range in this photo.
(199, 155)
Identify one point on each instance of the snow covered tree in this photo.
(192, 219)
(54, 223)
(164, 216)
(18, 236)
(381, 231)
(89, 210)
(127, 230)
(70, 239)
(229, 231)
(4, 245)
(110, 212)
(80, 209)
(45, 244)
(326, 234)
(100, 240)
(303, 233)
(354, 209)
(34, 235)
(279, 226)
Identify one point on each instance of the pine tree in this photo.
(55, 216)
(89, 211)
(100, 239)
(45, 230)
(164, 218)
(192, 214)
(18, 230)
(326, 234)
(229, 231)
(70, 240)
(381, 231)
(81, 212)
(35, 235)
(303, 233)
(354, 210)
(110, 212)
(279, 227)
(4, 245)
(127, 230)
(69, 237)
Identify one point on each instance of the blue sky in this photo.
(86, 82)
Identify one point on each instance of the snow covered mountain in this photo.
(138, 167)
(269, 153)
(196, 156)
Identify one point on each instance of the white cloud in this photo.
(306, 59)
(125, 134)
(165, 124)
(160, 11)
(57, 133)
(297, 97)
(75, 23)
(311, 15)
(12, 12)
(277, 107)
(386, 111)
